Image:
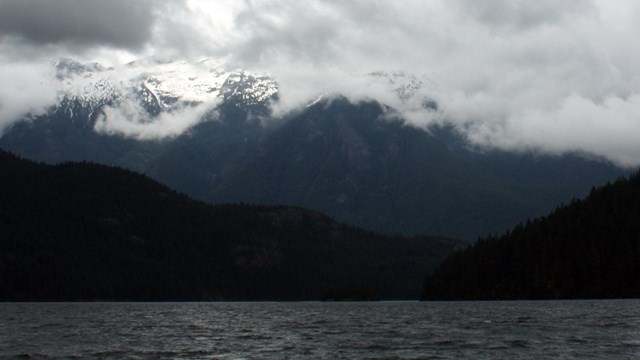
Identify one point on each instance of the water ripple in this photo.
(403, 330)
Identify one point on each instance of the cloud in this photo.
(519, 15)
(117, 23)
(130, 120)
(26, 89)
(517, 75)
(609, 129)
(543, 76)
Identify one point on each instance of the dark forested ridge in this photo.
(81, 231)
(587, 249)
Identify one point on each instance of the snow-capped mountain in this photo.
(410, 89)
(158, 86)
(157, 98)
(186, 124)
(161, 85)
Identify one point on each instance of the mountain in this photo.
(353, 161)
(82, 231)
(587, 249)
(157, 84)
(77, 127)
(346, 160)
(350, 161)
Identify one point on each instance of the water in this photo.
(402, 330)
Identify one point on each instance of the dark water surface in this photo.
(402, 330)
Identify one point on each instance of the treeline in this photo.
(81, 231)
(587, 249)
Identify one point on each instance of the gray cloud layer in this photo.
(546, 75)
(119, 23)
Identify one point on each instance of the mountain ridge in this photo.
(356, 161)
(588, 248)
(87, 232)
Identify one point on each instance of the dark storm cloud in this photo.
(118, 23)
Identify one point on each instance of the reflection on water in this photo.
(402, 330)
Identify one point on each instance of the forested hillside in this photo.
(81, 231)
(587, 249)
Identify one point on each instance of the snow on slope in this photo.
(165, 83)
(168, 82)
(155, 98)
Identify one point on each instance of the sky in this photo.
(545, 76)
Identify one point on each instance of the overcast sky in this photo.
(546, 75)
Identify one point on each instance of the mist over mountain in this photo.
(546, 78)
(350, 161)
(213, 134)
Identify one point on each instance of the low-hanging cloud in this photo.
(130, 119)
(542, 76)
(516, 75)
(26, 89)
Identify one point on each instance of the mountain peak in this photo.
(409, 88)
(65, 68)
(158, 84)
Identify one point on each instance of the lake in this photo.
(376, 330)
